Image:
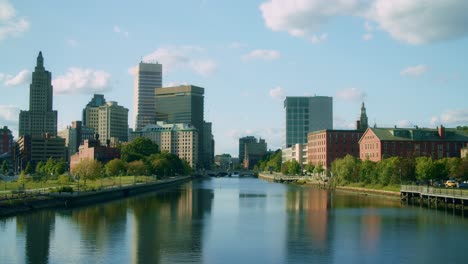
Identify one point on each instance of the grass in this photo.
(90, 184)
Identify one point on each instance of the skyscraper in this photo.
(304, 115)
(242, 142)
(182, 104)
(148, 76)
(40, 119)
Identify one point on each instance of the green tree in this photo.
(28, 169)
(49, 167)
(139, 149)
(346, 170)
(367, 171)
(425, 169)
(59, 168)
(319, 169)
(285, 167)
(136, 168)
(309, 167)
(294, 168)
(88, 169)
(115, 167)
(5, 167)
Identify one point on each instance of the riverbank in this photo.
(323, 185)
(67, 200)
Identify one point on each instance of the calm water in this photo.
(237, 220)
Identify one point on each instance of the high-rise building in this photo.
(38, 139)
(178, 139)
(304, 115)
(75, 135)
(6, 147)
(242, 142)
(148, 76)
(40, 119)
(208, 146)
(108, 119)
(254, 152)
(182, 104)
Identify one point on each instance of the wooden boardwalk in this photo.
(435, 196)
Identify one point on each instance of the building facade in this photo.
(35, 149)
(183, 104)
(178, 139)
(6, 147)
(242, 142)
(379, 143)
(304, 115)
(108, 119)
(92, 149)
(208, 146)
(75, 135)
(464, 152)
(40, 119)
(148, 76)
(254, 152)
(297, 152)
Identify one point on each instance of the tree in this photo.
(367, 171)
(136, 168)
(88, 169)
(309, 168)
(346, 170)
(115, 167)
(5, 167)
(294, 167)
(425, 169)
(59, 168)
(139, 149)
(28, 169)
(319, 169)
(285, 167)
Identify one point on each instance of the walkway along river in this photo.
(237, 220)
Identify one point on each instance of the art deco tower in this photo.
(40, 119)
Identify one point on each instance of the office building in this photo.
(208, 147)
(254, 152)
(108, 119)
(92, 149)
(304, 115)
(183, 104)
(40, 119)
(179, 139)
(297, 152)
(242, 142)
(6, 147)
(148, 76)
(35, 149)
(380, 143)
(75, 135)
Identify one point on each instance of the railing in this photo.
(443, 192)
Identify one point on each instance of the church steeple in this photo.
(363, 120)
(40, 61)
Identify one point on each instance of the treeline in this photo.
(141, 157)
(271, 161)
(396, 170)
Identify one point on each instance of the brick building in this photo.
(92, 149)
(379, 143)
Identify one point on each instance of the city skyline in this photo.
(407, 67)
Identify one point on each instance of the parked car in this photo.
(463, 185)
(451, 183)
(438, 184)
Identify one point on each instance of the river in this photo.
(238, 220)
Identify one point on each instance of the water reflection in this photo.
(36, 228)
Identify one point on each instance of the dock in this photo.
(437, 197)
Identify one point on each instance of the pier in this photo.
(437, 197)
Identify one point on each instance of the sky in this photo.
(406, 59)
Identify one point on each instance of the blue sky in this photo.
(405, 59)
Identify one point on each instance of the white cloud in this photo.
(414, 22)
(414, 71)
(237, 45)
(367, 36)
(351, 94)
(10, 24)
(457, 117)
(341, 123)
(184, 57)
(404, 123)
(22, 78)
(272, 136)
(120, 31)
(277, 93)
(368, 26)
(84, 81)
(261, 54)
(9, 115)
(318, 39)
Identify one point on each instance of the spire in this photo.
(40, 60)
(363, 120)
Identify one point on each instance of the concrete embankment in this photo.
(64, 200)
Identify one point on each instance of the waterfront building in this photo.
(92, 149)
(379, 143)
(108, 119)
(254, 151)
(148, 76)
(179, 139)
(464, 152)
(40, 119)
(297, 152)
(324, 146)
(183, 104)
(306, 114)
(224, 161)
